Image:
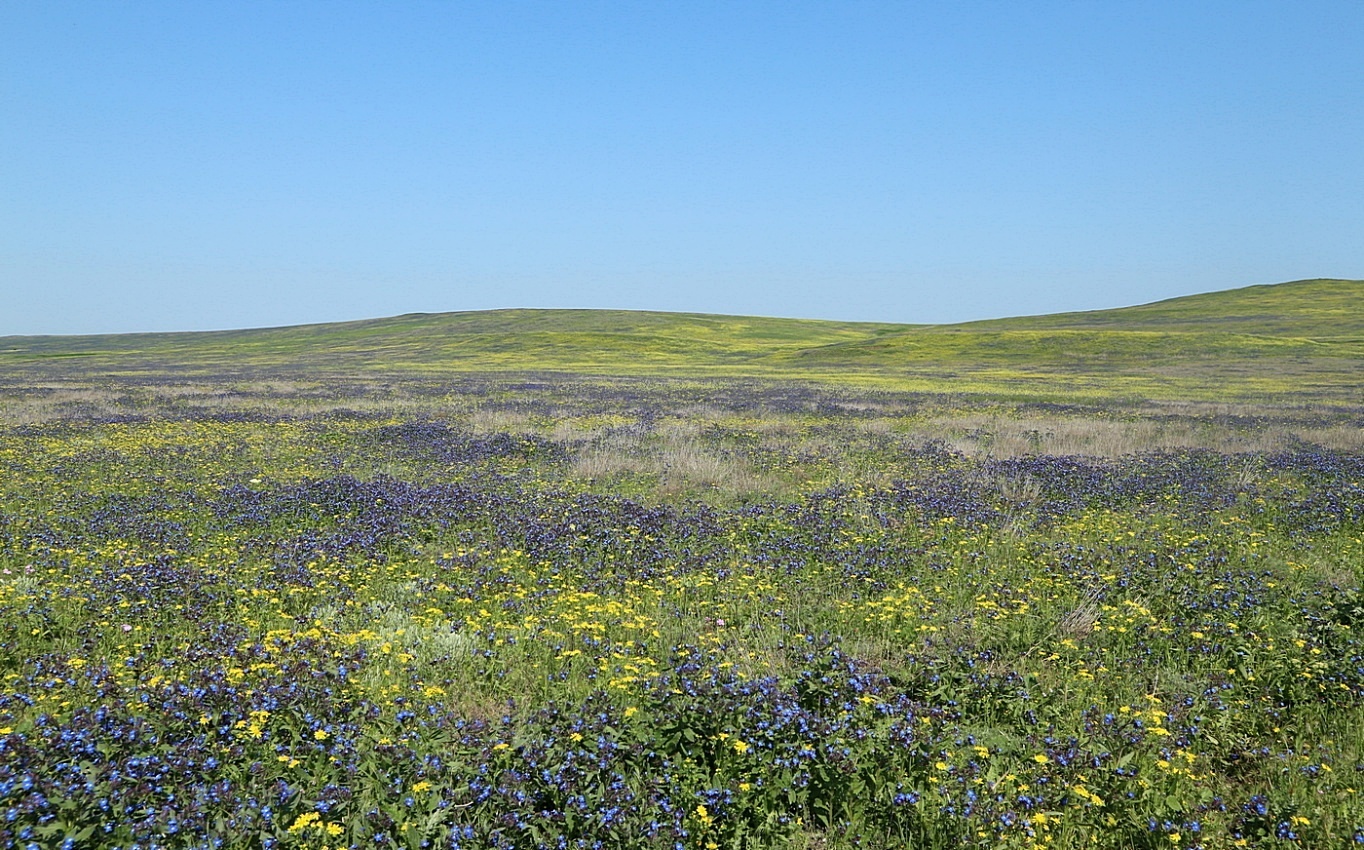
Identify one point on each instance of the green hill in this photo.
(554, 340)
(1319, 309)
(1298, 339)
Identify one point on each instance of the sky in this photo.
(203, 165)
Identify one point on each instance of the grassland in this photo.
(489, 581)
(1300, 341)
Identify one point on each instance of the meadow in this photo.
(429, 606)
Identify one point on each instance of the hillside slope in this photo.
(1299, 339)
(1317, 309)
(510, 339)
(1260, 338)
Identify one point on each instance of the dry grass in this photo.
(1080, 621)
(45, 403)
(1001, 435)
(678, 448)
(485, 420)
(675, 457)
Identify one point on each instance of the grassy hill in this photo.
(1303, 339)
(1293, 340)
(1319, 309)
(492, 339)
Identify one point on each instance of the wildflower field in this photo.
(560, 612)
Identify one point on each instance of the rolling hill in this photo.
(1299, 339)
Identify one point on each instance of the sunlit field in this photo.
(547, 612)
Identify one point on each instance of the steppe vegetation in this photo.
(834, 586)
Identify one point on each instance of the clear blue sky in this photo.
(196, 165)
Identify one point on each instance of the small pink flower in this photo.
(127, 627)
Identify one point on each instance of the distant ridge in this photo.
(1302, 336)
(1302, 318)
(1318, 307)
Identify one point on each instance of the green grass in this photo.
(1286, 342)
(656, 580)
(754, 614)
(1323, 310)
